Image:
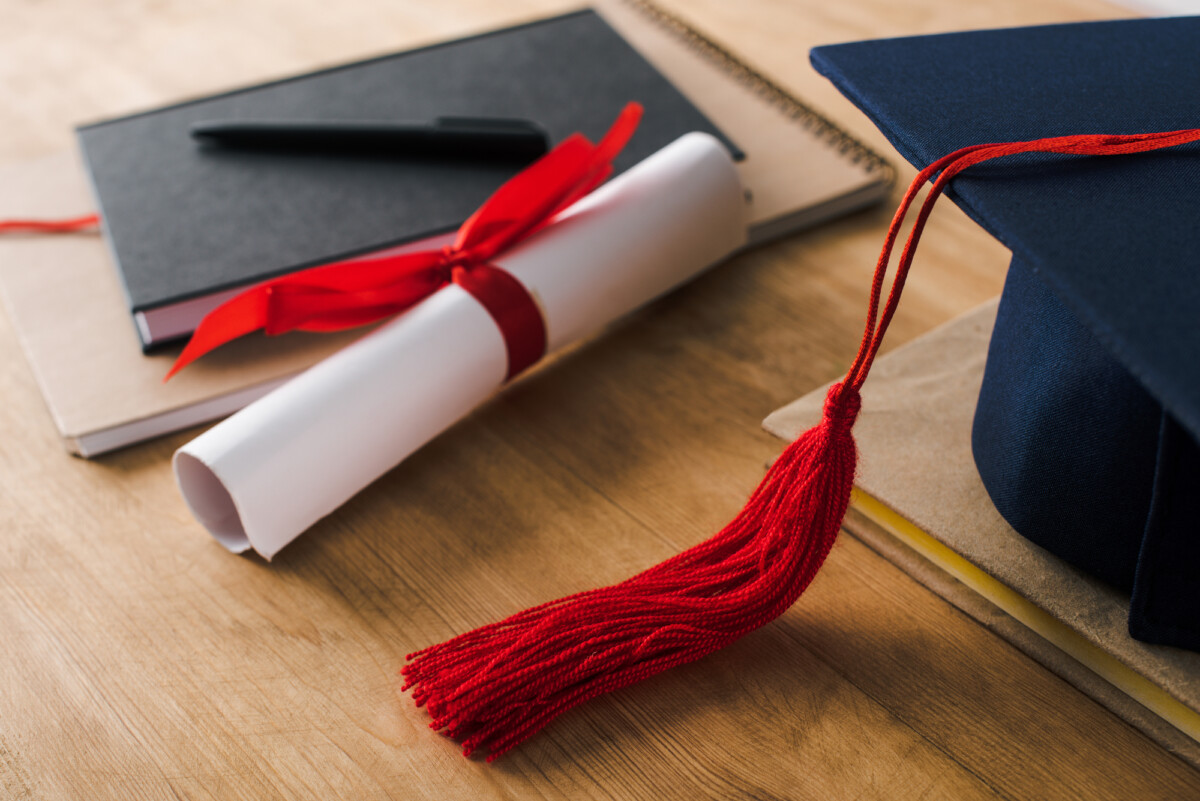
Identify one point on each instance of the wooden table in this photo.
(140, 660)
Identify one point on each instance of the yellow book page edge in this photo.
(1066, 639)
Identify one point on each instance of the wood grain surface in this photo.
(140, 660)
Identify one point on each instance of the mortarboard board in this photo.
(1086, 429)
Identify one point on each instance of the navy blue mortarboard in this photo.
(1086, 429)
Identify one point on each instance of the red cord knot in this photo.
(842, 404)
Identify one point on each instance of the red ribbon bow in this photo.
(351, 293)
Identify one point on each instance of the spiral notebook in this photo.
(69, 310)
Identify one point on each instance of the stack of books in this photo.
(100, 318)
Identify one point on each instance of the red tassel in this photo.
(498, 685)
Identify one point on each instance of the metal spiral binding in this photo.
(772, 92)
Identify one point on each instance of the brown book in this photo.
(68, 309)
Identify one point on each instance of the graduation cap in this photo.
(1086, 429)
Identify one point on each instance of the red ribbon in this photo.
(351, 293)
(69, 226)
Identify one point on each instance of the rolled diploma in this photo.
(264, 475)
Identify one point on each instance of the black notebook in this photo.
(189, 226)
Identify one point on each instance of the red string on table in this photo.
(67, 226)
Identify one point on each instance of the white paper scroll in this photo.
(263, 476)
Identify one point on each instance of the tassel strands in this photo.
(499, 684)
(495, 687)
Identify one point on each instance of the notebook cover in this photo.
(185, 221)
(931, 499)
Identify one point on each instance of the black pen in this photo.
(465, 138)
